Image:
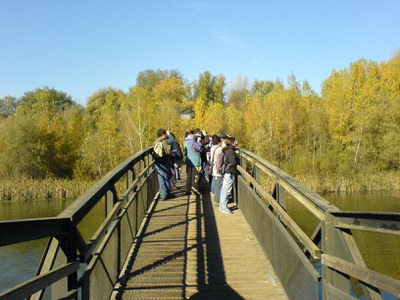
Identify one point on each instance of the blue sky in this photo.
(81, 46)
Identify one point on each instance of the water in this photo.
(380, 251)
(19, 262)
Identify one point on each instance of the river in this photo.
(381, 252)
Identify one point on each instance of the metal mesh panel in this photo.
(289, 263)
(291, 269)
(99, 285)
(126, 238)
(109, 257)
(132, 214)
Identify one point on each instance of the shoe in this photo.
(226, 211)
(171, 196)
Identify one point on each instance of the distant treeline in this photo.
(347, 134)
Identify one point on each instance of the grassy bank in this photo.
(379, 181)
(31, 189)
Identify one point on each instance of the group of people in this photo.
(212, 158)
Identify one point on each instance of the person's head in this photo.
(228, 142)
(215, 139)
(197, 131)
(162, 133)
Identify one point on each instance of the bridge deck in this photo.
(189, 250)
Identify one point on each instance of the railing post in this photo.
(130, 177)
(333, 244)
(67, 255)
(279, 195)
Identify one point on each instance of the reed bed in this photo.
(43, 189)
(370, 182)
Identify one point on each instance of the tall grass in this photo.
(368, 182)
(34, 189)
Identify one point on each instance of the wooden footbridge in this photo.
(184, 248)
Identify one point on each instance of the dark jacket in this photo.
(231, 160)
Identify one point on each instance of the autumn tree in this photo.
(8, 105)
(238, 92)
(209, 87)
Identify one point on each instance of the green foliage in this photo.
(148, 79)
(348, 133)
(8, 105)
(210, 88)
(238, 92)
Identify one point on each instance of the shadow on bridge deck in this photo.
(187, 249)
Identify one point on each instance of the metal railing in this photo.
(322, 265)
(72, 264)
(325, 264)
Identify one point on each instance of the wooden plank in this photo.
(370, 277)
(285, 218)
(190, 249)
(368, 229)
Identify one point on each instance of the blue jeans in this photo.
(216, 188)
(164, 179)
(227, 185)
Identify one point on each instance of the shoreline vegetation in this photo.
(23, 189)
(372, 182)
(343, 139)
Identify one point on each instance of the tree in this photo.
(148, 79)
(44, 100)
(25, 151)
(210, 88)
(238, 92)
(8, 105)
(262, 87)
(137, 118)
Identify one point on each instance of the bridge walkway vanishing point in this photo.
(187, 249)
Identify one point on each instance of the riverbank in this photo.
(43, 189)
(371, 182)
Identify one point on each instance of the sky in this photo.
(79, 47)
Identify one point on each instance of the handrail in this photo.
(35, 284)
(376, 279)
(78, 209)
(286, 219)
(311, 200)
(333, 235)
(66, 244)
(332, 240)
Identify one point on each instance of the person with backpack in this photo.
(176, 150)
(193, 148)
(229, 172)
(216, 162)
(162, 155)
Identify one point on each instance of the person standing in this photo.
(193, 150)
(215, 162)
(162, 154)
(230, 172)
